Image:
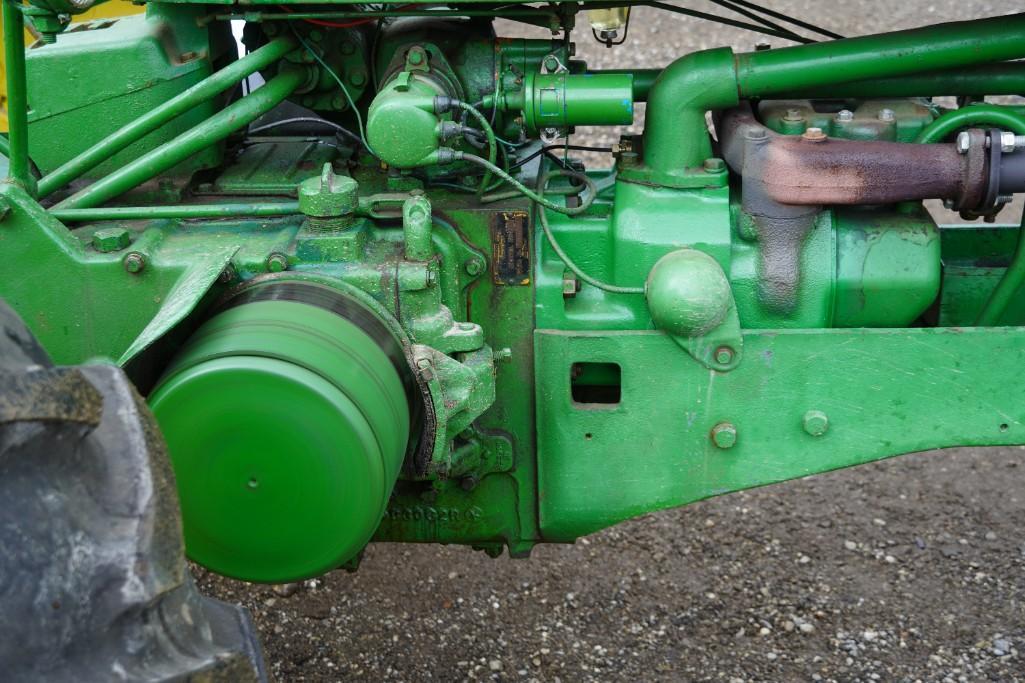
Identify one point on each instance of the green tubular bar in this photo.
(990, 115)
(217, 127)
(172, 211)
(17, 96)
(942, 46)
(674, 137)
(291, 476)
(1003, 78)
(174, 107)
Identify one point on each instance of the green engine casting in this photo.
(373, 290)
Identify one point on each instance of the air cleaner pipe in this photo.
(179, 211)
(217, 127)
(209, 87)
(675, 138)
(1002, 78)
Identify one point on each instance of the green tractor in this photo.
(370, 290)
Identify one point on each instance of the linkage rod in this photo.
(17, 96)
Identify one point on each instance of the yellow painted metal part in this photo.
(106, 10)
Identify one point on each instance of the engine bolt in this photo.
(845, 115)
(814, 135)
(474, 266)
(1007, 141)
(964, 141)
(794, 115)
(887, 115)
(134, 262)
(724, 435)
(723, 355)
(714, 165)
(277, 262)
(111, 239)
(415, 56)
(815, 422)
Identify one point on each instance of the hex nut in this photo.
(723, 355)
(964, 141)
(814, 134)
(1007, 141)
(816, 423)
(724, 435)
(106, 240)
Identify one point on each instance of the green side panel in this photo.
(975, 258)
(883, 393)
(94, 80)
(888, 268)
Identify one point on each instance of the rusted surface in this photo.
(832, 171)
(795, 171)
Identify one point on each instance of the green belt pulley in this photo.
(287, 416)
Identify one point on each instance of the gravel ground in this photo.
(909, 570)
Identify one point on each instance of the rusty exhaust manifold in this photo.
(786, 180)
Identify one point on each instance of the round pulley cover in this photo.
(287, 419)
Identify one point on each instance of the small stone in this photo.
(772, 656)
(788, 626)
(850, 545)
(495, 665)
(870, 635)
(806, 628)
(990, 536)
(1001, 647)
(764, 631)
(286, 589)
(879, 522)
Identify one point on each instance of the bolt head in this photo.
(964, 141)
(723, 355)
(415, 56)
(1006, 141)
(845, 115)
(724, 435)
(134, 262)
(474, 266)
(714, 165)
(815, 422)
(277, 263)
(106, 240)
(887, 115)
(814, 135)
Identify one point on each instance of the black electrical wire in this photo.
(729, 4)
(757, 28)
(788, 19)
(307, 119)
(548, 149)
